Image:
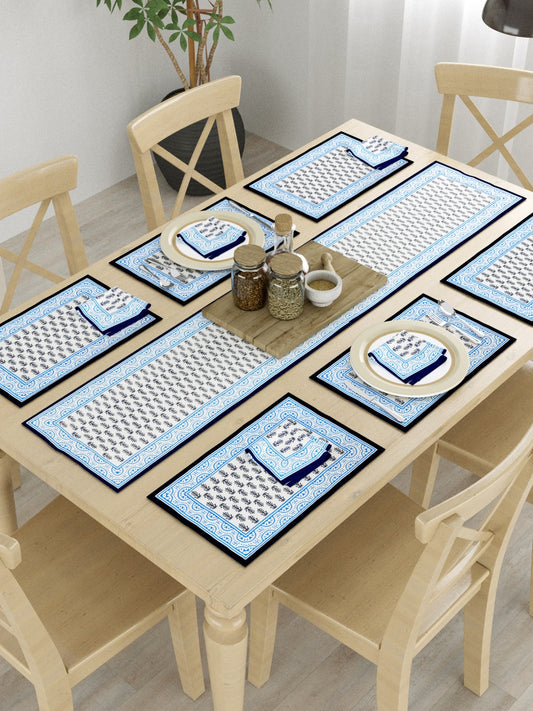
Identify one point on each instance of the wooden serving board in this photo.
(279, 337)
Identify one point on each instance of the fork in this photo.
(163, 283)
(375, 401)
(438, 321)
(252, 215)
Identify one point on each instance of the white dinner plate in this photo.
(443, 378)
(181, 253)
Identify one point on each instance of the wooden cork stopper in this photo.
(286, 264)
(283, 222)
(249, 255)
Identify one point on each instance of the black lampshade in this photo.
(512, 17)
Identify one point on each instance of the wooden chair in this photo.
(72, 595)
(385, 588)
(45, 183)
(467, 80)
(482, 439)
(212, 101)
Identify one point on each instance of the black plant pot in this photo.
(182, 144)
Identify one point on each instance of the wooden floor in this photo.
(311, 671)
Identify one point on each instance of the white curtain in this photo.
(389, 49)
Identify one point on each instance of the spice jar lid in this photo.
(286, 264)
(283, 222)
(249, 255)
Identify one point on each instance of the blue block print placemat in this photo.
(502, 274)
(324, 178)
(241, 508)
(186, 283)
(405, 412)
(50, 341)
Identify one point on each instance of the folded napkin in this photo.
(276, 453)
(113, 310)
(408, 356)
(378, 152)
(212, 237)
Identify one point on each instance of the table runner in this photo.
(323, 178)
(187, 283)
(502, 274)
(338, 374)
(52, 340)
(233, 502)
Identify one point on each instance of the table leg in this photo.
(8, 515)
(226, 641)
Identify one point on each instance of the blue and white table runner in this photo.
(325, 177)
(502, 274)
(52, 340)
(230, 499)
(187, 283)
(404, 412)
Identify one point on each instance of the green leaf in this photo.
(134, 14)
(136, 29)
(227, 32)
(173, 37)
(216, 34)
(189, 22)
(227, 20)
(151, 32)
(193, 35)
(183, 42)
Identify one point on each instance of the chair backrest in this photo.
(46, 183)
(467, 80)
(24, 641)
(458, 558)
(212, 101)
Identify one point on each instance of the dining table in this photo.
(433, 217)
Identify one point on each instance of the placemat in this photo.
(233, 502)
(405, 412)
(186, 283)
(323, 178)
(502, 274)
(50, 341)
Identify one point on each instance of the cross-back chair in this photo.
(482, 439)
(49, 182)
(72, 595)
(476, 80)
(212, 101)
(385, 587)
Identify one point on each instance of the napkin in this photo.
(276, 454)
(378, 152)
(212, 237)
(408, 356)
(113, 310)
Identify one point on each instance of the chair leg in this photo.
(531, 586)
(15, 474)
(478, 617)
(393, 678)
(263, 622)
(8, 514)
(423, 476)
(185, 639)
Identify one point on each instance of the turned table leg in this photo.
(226, 640)
(8, 516)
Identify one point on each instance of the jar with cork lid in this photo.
(285, 287)
(249, 277)
(283, 233)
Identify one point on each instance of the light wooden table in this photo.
(225, 585)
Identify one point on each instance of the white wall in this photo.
(71, 81)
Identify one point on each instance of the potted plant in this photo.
(196, 31)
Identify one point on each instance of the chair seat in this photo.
(93, 568)
(487, 435)
(358, 586)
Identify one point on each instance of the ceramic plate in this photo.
(179, 252)
(444, 378)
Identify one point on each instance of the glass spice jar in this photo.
(249, 277)
(285, 287)
(283, 233)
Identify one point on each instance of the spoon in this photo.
(448, 310)
(163, 283)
